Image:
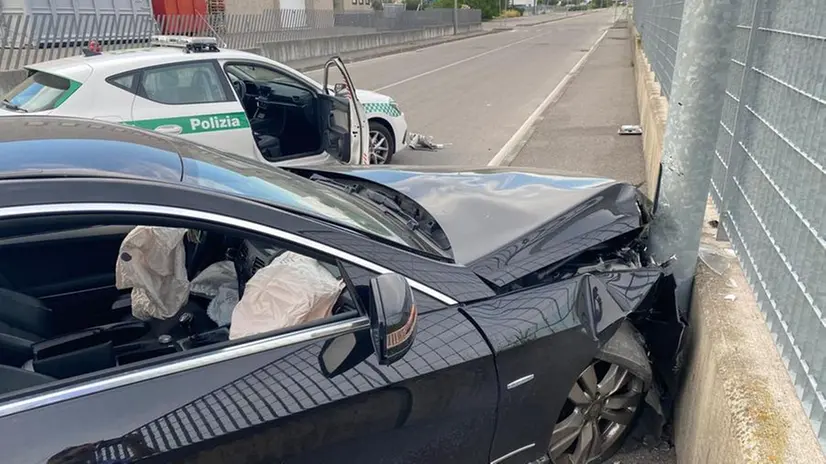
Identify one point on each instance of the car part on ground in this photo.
(422, 142)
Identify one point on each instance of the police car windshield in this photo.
(247, 178)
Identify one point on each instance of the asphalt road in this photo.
(474, 94)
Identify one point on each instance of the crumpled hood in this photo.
(507, 222)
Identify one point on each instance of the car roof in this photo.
(118, 61)
(58, 146)
(102, 155)
(50, 146)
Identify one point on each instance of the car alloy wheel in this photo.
(380, 144)
(600, 407)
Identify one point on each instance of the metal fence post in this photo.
(698, 84)
(455, 17)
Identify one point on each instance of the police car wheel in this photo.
(382, 145)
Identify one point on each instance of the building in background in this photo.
(133, 7)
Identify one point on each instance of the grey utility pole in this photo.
(455, 17)
(695, 105)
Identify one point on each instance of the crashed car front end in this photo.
(608, 306)
(559, 252)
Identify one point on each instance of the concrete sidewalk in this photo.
(578, 134)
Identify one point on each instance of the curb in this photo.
(415, 46)
(552, 20)
(514, 145)
(506, 27)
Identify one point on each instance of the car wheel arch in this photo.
(387, 125)
(626, 347)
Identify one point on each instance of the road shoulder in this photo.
(578, 133)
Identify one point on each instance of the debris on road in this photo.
(714, 259)
(423, 142)
(630, 130)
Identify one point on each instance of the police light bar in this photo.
(187, 43)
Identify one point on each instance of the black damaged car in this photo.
(481, 315)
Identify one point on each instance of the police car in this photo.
(231, 100)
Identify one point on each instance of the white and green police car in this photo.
(227, 99)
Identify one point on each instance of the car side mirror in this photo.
(344, 353)
(339, 87)
(392, 314)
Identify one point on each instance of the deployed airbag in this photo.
(152, 262)
(219, 283)
(291, 290)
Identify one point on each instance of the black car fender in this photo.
(543, 337)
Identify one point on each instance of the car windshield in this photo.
(39, 92)
(243, 177)
(255, 73)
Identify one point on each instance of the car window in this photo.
(125, 82)
(189, 83)
(278, 187)
(253, 72)
(40, 92)
(240, 176)
(200, 288)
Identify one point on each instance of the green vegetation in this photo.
(489, 8)
(512, 13)
(600, 4)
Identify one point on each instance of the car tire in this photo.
(603, 403)
(382, 144)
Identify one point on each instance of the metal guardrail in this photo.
(769, 179)
(31, 38)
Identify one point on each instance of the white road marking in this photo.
(465, 60)
(425, 47)
(509, 150)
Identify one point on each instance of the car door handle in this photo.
(169, 129)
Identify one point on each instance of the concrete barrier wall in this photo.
(294, 51)
(737, 404)
(653, 112)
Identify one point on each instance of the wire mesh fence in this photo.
(658, 21)
(769, 180)
(31, 38)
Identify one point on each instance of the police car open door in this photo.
(346, 114)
